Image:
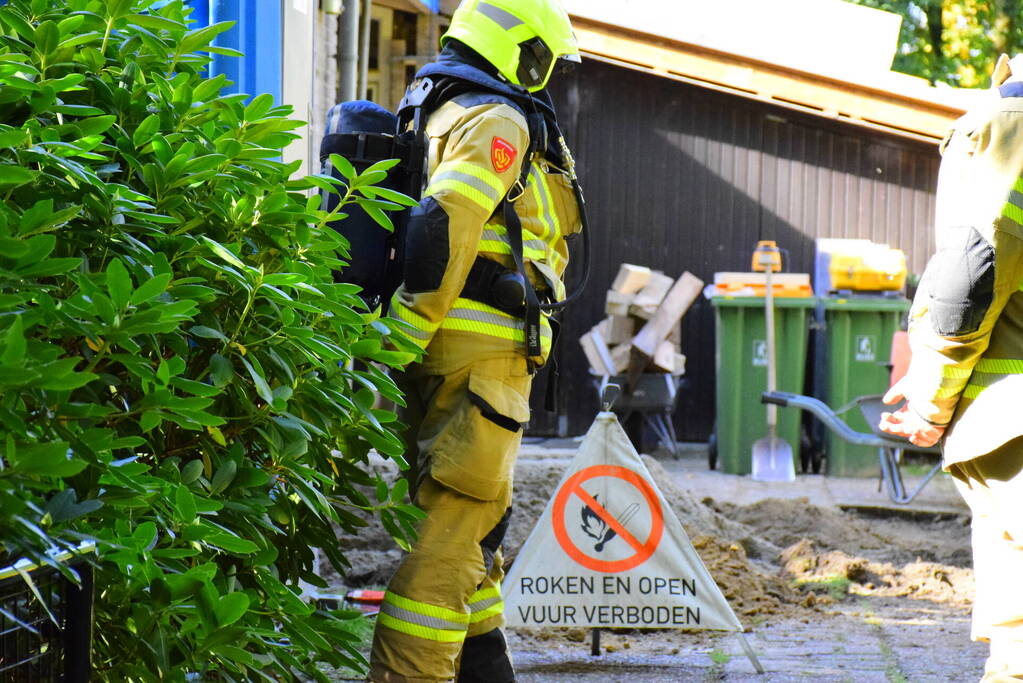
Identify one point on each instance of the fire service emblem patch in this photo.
(502, 154)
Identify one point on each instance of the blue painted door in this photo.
(257, 33)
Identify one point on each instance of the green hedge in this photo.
(181, 378)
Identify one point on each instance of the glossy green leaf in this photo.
(145, 131)
(262, 388)
(221, 370)
(118, 283)
(14, 343)
(13, 176)
(343, 166)
(150, 289)
(231, 607)
(191, 472)
(184, 502)
(46, 37)
(224, 476)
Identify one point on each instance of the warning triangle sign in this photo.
(608, 551)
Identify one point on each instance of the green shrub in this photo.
(181, 378)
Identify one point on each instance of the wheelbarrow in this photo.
(891, 448)
(651, 398)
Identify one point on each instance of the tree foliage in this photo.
(954, 41)
(181, 379)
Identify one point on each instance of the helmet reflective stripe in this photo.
(505, 20)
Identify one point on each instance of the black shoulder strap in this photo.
(513, 227)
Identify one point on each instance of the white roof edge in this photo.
(849, 43)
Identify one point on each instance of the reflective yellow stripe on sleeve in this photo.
(972, 391)
(419, 329)
(988, 371)
(1013, 208)
(485, 603)
(422, 620)
(1013, 213)
(476, 184)
(952, 382)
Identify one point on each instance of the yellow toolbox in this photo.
(860, 265)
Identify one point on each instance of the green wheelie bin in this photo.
(741, 370)
(852, 359)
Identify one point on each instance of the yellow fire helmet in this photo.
(523, 39)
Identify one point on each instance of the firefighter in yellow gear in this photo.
(965, 380)
(468, 400)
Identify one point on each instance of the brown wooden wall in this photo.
(679, 178)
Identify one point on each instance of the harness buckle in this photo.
(517, 190)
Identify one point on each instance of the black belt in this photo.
(482, 283)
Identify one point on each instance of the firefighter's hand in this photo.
(904, 422)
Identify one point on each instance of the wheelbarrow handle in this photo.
(825, 415)
(778, 398)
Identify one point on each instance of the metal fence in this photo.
(45, 625)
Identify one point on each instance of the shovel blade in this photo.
(772, 460)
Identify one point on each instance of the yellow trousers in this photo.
(443, 606)
(992, 486)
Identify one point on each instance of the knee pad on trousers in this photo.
(485, 659)
(492, 541)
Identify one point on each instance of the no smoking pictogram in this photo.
(642, 550)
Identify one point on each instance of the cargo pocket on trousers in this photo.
(476, 454)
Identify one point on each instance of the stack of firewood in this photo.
(641, 332)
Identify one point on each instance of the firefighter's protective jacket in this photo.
(966, 324)
(478, 142)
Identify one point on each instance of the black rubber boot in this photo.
(485, 659)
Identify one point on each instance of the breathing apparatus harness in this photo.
(489, 282)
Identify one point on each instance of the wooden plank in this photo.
(649, 298)
(664, 357)
(597, 353)
(617, 329)
(631, 278)
(620, 358)
(675, 337)
(618, 303)
(674, 306)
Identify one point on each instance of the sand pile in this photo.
(750, 591)
(803, 563)
(939, 539)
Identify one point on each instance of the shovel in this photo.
(772, 457)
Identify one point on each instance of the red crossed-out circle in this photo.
(643, 550)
